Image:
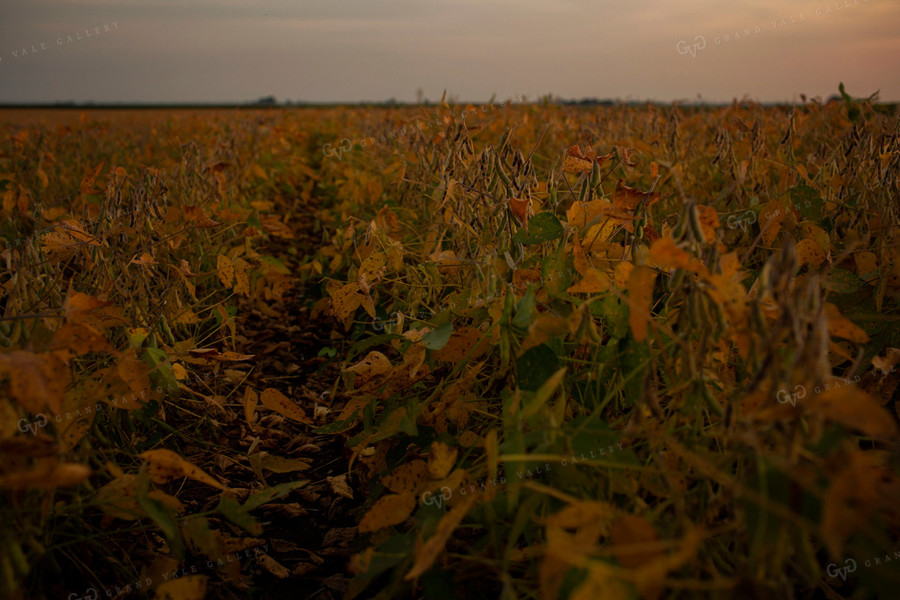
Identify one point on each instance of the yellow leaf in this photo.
(280, 464)
(117, 499)
(229, 356)
(468, 438)
(372, 269)
(519, 208)
(9, 420)
(816, 233)
(409, 477)
(359, 563)
(594, 282)
(842, 327)
(428, 552)
(629, 533)
(887, 363)
(345, 300)
(601, 584)
(259, 172)
(441, 460)
(263, 205)
(73, 431)
(809, 252)
(88, 181)
(574, 530)
(9, 200)
(187, 317)
(340, 486)
(866, 265)
(629, 198)
(640, 293)
(573, 164)
(460, 344)
(582, 214)
(36, 381)
(597, 237)
(623, 271)
(770, 219)
(225, 270)
(272, 566)
(275, 400)
(67, 235)
(844, 403)
(852, 498)
(389, 510)
(144, 260)
(46, 476)
(709, 222)
(368, 304)
(164, 465)
(374, 364)
(579, 258)
(179, 371)
(135, 374)
(241, 281)
(187, 587)
(81, 308)
(665, 253)
(728, 292)
(251, 399)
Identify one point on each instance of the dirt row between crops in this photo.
(309, 532)
(307, 537)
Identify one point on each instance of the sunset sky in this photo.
(354, 50)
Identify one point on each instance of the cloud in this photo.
(322, 50)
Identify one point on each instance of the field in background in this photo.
(551, 352)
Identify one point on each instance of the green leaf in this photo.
(161, 370)
(273, 493)
(136, 338)
(588, 432)
(337, 426)
(558, 272)
(842, 282)
(635, 360)
(200, 536)
(230, 509)
(543, 227)
(438, 338)
(524, 310)
(844, 93)
(544, 393)
(614, 314)
(390, 554)
(275, 264)
(160, 514)
(438, 585)
(808, 202)
(536, 366)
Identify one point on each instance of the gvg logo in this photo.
(798, 394)
(429, 498)
(90, 594)
(741, 219)
(835, 571)
(40, 421)
(384, 324)
(684, 48)
(346, 146)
